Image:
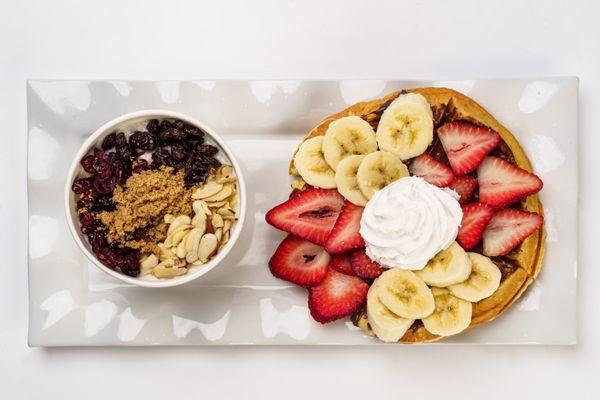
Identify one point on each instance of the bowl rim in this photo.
(112, 125)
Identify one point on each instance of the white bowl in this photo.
(125, 123)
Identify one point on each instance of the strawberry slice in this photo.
(363, 266)
(501, 183)
(341, 263)
(507, 229)
(345, 236)
(476, 217)
(309, 215)
(337, 296)
(464, 186)
(466, 145)
(299, 261)
(431, 170)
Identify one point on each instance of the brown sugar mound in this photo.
(141, 204)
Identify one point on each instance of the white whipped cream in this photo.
(408, 222)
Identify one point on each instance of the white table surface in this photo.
(293, 39)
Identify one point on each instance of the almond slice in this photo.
(218, 204)
(225, 211)
(167, 269)
(224, 193)
(169, 218)
(191, 245)
(207, 190)
(208, 246)
(219, 234)
(148, 263)
(227, 225)
(199, 221)
(181, 249)
(177, 222)
(217, 221)
(200, 207)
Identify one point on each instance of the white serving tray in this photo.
(72, 303)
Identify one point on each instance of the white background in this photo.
(293, 39)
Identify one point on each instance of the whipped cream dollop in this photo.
(408, 222)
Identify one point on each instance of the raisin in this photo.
(193, 131)
(194, 176)
(109, 141)
(207, 149)
(103, 203)
(124, 150)
(178, 152)
(153, 126)
(142, 140)
(171, 135)
(161, 157)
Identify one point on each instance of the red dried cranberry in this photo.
(106, 185)
(97, 240)
(87, 222)
(140, 165)
(87, 163)
(80, 186)
(103, 203)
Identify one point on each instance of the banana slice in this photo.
(449, 266)
(386, 325)
(483, 281)
(405, 294)
(346, 137)
(377, 170)
(406, 126)
(345, 179)
(451, 316)
(311, 164)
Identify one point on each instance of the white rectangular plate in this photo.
(72, 303)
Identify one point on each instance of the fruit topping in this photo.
(476, 217)
(337, 296)
(466, 145)
(431, 170)
(310, 215)
(464, 186)
(507, 229)
(299, 261)
(345, 233)
(363, 266)
(501, 183)
(341, 263)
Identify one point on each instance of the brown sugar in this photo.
(141, 204)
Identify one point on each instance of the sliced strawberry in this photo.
(507, 229)
(363, 266)
(336, 296)
(299, 261)
(310, 214)
(431, 170)
(501, 183)
(464, 186)
(341, 263)
(345, 236)
(466, 144)
(476, 217)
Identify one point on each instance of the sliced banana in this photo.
(311, 164)
(405, 294)
(406, 126)
(449, 266)
(377, 170)
(386, 325)
(483, 281)
(451, 316)
(346, 137)
(345, 179)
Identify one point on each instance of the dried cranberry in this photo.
(80, 186)
(87, 163)
(105, 185)
(97, 240)
(109, 141)
(153, 126)
(207, 149)
(86, 219)
(140, 165)
(102, 163)
(142, 140)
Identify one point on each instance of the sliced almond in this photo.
(224, 240)
(191, 245)
(207, 190)
(178, 233)
(224, 193)
(168, 269)
(181, 249)
(148, 263)
(177, 222)
(217, 221)
(200, 207)
(208, 246)
(199, 222)
(219, 234)
(218, 204)
(226, 171)
(227, 225)
(169, 218)
(226, 211)
(166, 253)
(298, 184)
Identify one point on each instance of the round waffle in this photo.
(522, 265)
